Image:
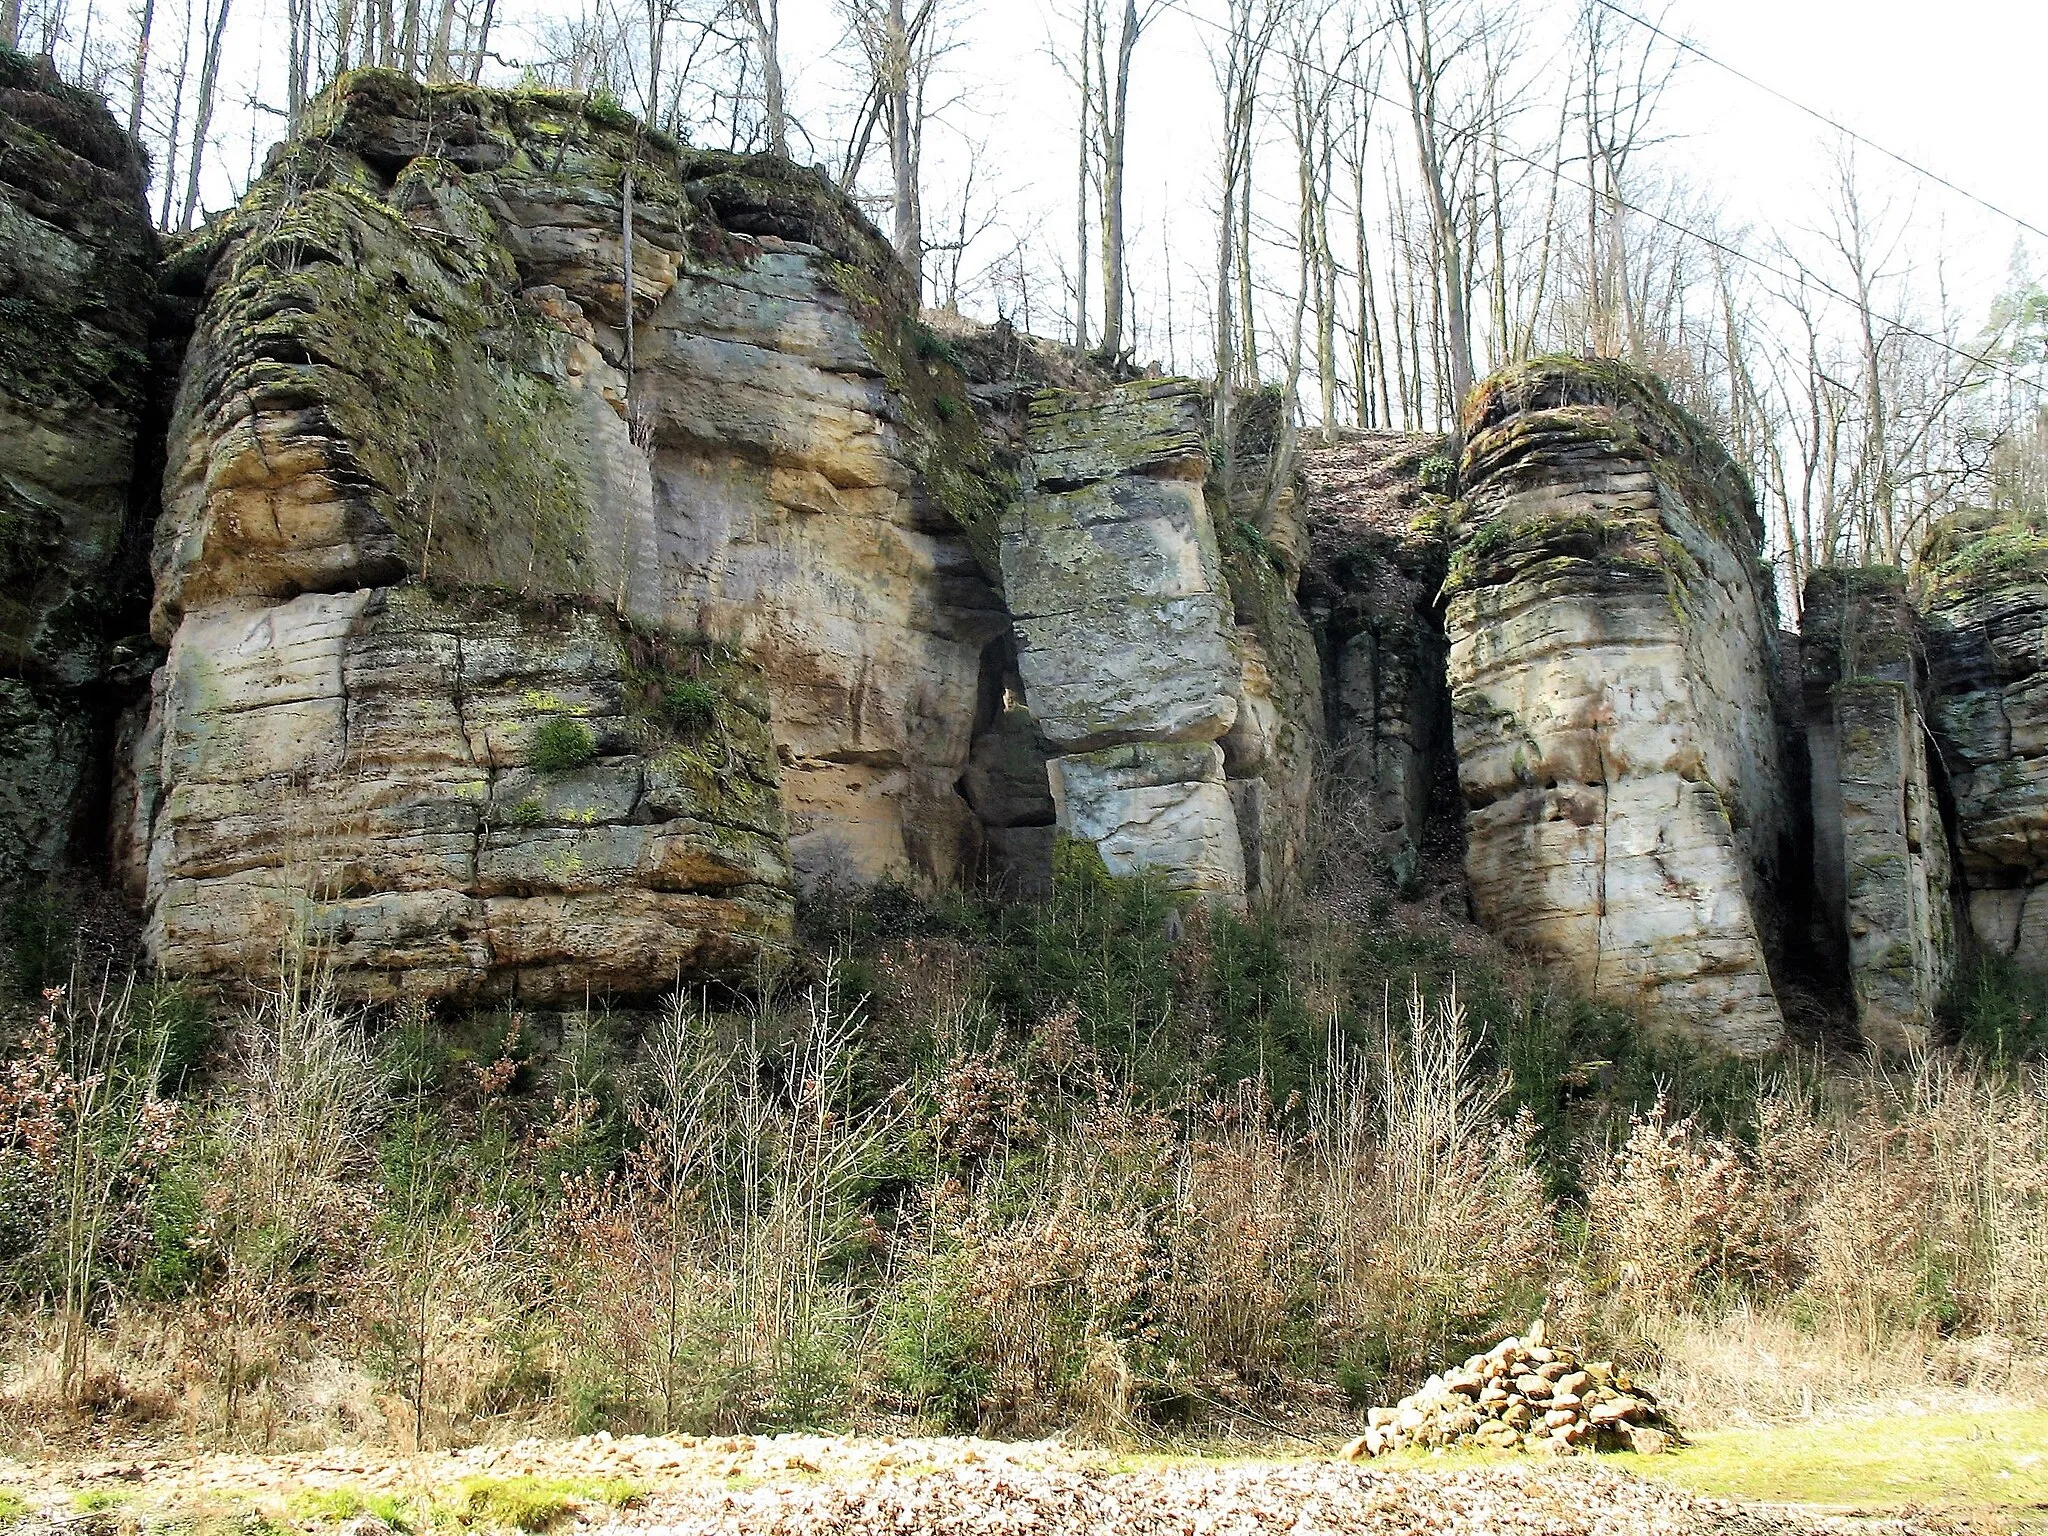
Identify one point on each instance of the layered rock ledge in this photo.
(442, 479)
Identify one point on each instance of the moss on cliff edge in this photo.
(1552, 410)
(1967, 554)
(1545, 425)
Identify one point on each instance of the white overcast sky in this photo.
(1955, 84)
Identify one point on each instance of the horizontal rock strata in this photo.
(1612, 647)
(421, 378)
(458, 799)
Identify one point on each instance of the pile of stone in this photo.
(1522, 1394)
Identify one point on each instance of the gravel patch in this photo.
(1208, 1499)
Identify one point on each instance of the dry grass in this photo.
(1018, 1238)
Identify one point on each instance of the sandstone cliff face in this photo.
(1611, 666)
(407, 396)
(1884, 907)
(1985, 607)
(77, 290)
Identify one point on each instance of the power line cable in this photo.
(1821, 117)
(1733, 252)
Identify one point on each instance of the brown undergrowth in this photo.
(1100, 1165)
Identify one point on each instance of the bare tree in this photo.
(900, 46)
(764, 20)
(1111, 103)
(202, 112)
(1239, 61)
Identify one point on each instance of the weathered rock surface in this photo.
(1985, 611)
(409, 383)
(458, 799)
(1884, 909)
(1162, 655)
(77, 293)
(1612, 645)
(1114, 576)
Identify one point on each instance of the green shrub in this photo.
(561, 744)
(689, 705)
(39, 932)
(533, 1504)
(1996, 1009)
(13, 1506)
(174, 1029)
(1438, 473)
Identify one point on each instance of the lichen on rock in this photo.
(1984, 607)
(409, 394)
(1882, 876)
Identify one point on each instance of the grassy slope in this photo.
(1996, 1458)
(1993, 1461)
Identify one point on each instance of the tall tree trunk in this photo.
(1088, 12)
(142, 31)
(483, 41)
(764, 17)
(10, 23)
(344, 35)
(438, 65)
(202, 112)
(171, 140)
(903, 151)
(1114, 139)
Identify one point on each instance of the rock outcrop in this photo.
(1612, 670)
(77, 271)
(1985, 609)
(1124, 625)
(1884, 910)
(1161, 656)
(415, 388)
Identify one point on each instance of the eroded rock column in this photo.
(1612, 644)
(1881, 866)
(1985, 606)
(76, 269)
(1124, 625)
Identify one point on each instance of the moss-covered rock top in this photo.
(1553, 414)
(415, 294)
(1976, 552)
(1857, 624)
(583, 145)
(1155, 426)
